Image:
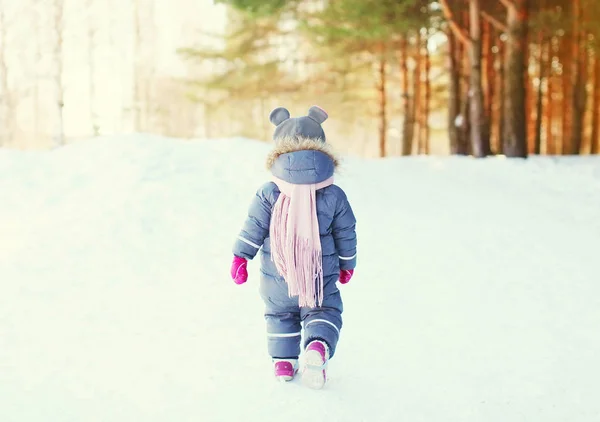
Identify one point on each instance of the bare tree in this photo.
(59, 133)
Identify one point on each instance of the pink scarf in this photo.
(296, 242)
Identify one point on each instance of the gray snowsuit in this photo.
(301, 161)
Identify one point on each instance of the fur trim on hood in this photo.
(291, 144)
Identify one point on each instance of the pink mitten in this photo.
(239, 273)
(346, 275)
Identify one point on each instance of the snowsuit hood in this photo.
(301, 160)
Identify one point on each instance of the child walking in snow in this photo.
(305, 228)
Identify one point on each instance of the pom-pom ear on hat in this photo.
(279, 115)
(317, 114)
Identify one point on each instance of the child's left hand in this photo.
(346, 275)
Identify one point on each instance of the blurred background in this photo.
(473, 77)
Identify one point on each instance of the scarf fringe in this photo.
(298, 257)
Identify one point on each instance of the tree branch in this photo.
(495, 22)
(460, 33)
(507, 3)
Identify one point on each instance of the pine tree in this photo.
(374, 32)
(471, 39)
(249, 69)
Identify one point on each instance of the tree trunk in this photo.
(465, 104)
(92, 69)
(206, 116)
(426, 104)
(578, 100)
(59, 133)
(381, 88)
(489, 79)
(485, 60)
(263, 112)
(595, 139)
(501, 88)
(119, 65)
(36, 84)
(480, 143)
(458, 41)
(550, 144)
(416, 109)
(565, 58)
(529, 98)
(6, 108)
(454, 95)
(465, 107)
(148, 66)
(137, 46)
(543, 63)
(515, 118)
(408, 124)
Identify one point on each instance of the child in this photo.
(306, 229)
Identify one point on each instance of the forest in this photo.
(466, 77)
(513, 77)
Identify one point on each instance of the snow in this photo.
(476, 298)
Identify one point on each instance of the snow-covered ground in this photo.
(476, 298)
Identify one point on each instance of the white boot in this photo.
(316, 357)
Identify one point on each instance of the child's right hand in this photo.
(346, 275)
(239, 272)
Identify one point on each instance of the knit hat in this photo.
(299, 127)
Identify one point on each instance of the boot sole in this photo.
(284, 378)
(313, 376)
